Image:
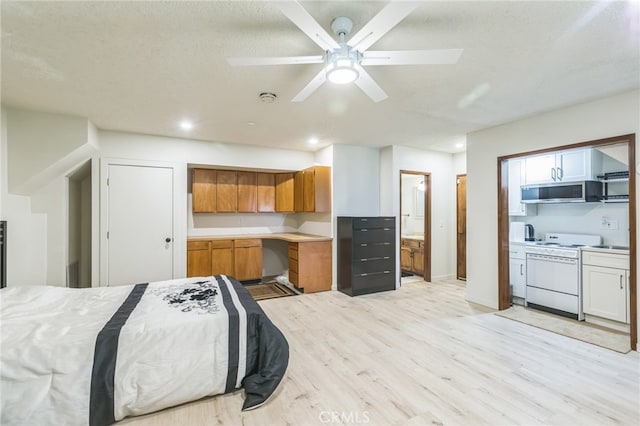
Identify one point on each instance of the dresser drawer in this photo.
(374, 235)
(293, 251)
(360, 267)
(372, 283)
(370, 250)
(374, 222)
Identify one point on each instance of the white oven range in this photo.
(554, 273)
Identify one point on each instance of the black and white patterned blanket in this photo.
(94, 356)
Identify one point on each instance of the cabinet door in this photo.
(222, 257)
(516, 207)
(605, 292)
(540, 169)
(517, 276)
(405, 259)
(247, 192)
(203, 191)
(266, 192)
(322, 189)
(573, 165)
(284, 192)
(248, 259)
(418, 262)
(198, 259)
(308, 190)
(227, 191)
(314, 266)
(298, 191)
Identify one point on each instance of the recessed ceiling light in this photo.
(186, 125)
(459, 145)
(251, 123)
(313, 141)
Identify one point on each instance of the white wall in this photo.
(603, 118)
(443, 213)
(3, 161)
(460, 163)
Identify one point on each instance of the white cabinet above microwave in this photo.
(563, 166)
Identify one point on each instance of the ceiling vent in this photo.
(268, 97)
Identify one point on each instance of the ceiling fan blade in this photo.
(369, 86)
(299, 16)
(411, 57)
(386, 19)
(281, 60)
(311, 87)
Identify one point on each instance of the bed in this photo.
(94, 356)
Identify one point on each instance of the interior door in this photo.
(461, 227)
(140, 224)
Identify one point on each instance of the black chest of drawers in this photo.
(366, 254)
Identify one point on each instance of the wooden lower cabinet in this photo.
(198, 259)
(412, 256)
(222, 257)
(310, 265)
(247, 259)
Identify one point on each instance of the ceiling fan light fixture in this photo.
(342, 71)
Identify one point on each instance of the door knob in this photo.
(167, 240)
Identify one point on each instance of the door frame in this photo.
(179, 213)
(426, 275)
(504, 301)
(458, 176)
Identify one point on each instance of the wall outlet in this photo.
(608, 224)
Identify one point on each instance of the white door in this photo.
(140, 224)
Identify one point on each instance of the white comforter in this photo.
(86, 356)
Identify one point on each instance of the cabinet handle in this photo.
(621, 281)
(521, 265)
(559, 173)
(553, 173)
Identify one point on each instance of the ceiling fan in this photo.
(343, 60)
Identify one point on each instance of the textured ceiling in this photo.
(142, 66)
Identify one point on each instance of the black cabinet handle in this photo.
(167, 240)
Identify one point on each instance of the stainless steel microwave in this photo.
(570, 192)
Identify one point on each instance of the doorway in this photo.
(415, 224)
(461, 227)
(626, 155)
(79, 228)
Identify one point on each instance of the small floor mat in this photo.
(600, 336)
(269, 291)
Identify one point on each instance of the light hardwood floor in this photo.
(423, 355)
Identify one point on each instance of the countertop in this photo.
(608, 249)
(412, 237)
(292, 237)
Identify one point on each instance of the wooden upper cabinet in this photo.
(203, 190)
(313, 190)
(284, 192)
(227, 191)
(266, 192)
(247, 192)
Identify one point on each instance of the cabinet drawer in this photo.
(374, 235)
(293, 251)
(365, 266)
(221, 244)
(293, 278)
(197, 245)
(412, 243)
(370, 250)
(373, 222)
(248, 243)
(607, 260)
(517, 251)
